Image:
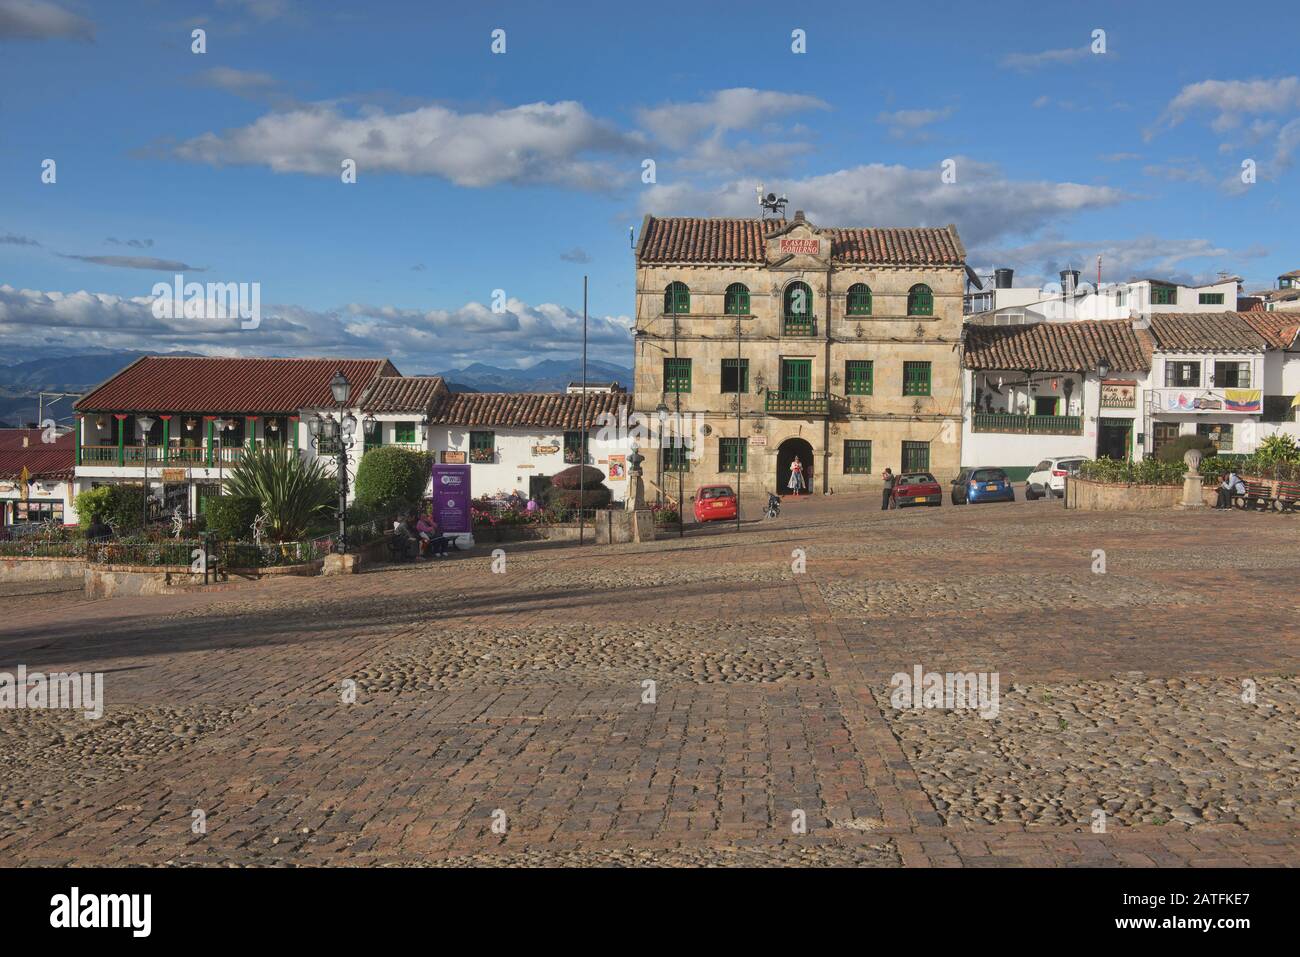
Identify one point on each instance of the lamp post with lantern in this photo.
(146, 425)
(335, 434)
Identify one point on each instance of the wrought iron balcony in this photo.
(801, 403)
(798, 326)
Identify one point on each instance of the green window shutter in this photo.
(402, 431)
(734, 455)
(916, 456)
(916, 378)
(677, 299)
(736, 301)
(920, 301)
(796, 378)
(859, 375)
(677, 375)
(859, 300)
(735, 375)
(1211, 299)
(857, 456)
(482, 446)
(675, 458)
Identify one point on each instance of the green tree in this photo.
(121, 506)
(231, 516)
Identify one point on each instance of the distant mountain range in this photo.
(549, 375)
(20, 382)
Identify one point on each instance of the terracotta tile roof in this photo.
(1279, 329)
(216, 384)
(1058, 346)
(699, 240)
(552, 410)
(416, 393)
(13, 439)
(1204, 332)
(49, 460)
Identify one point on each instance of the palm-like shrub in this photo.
(292, 490)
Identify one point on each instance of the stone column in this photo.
(1192, 495)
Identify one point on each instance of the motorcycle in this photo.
(773, 506)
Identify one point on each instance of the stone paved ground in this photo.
(521, 697)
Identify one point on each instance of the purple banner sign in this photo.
(451, 498)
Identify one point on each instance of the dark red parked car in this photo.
(917, 488)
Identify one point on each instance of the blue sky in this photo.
(521, 171)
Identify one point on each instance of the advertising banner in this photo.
(451, 496)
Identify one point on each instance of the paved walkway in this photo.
(723, 699)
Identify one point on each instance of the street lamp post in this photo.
(336, 433)
(146, 424)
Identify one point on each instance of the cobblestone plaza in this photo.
(509, 718)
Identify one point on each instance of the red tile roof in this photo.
(416, 393)
(215, 384)
(50, 460)
(1205, 332)
(697, 240)
(1058, 346)
(1279, 329)
(552, 410)
(13, 439)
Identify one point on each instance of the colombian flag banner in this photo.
(1243, 400)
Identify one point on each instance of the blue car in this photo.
(982, 485)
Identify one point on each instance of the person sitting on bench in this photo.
(1230, 486)
(434, 542)
(404, 541)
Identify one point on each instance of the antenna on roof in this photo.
(773, 205)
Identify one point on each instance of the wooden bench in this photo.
(1258, 497)
(1288, 496)
(401, 549)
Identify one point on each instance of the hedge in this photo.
(392, 479)
(231, 517)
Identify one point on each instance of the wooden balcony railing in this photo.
(1027, 424)
(134, 455)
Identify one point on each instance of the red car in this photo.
(713, 502)
(917, 488)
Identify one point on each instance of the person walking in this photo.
(796, 476)
(887, 495)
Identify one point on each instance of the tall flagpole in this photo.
(582, 422)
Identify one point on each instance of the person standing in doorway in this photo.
(887, 495)
(796, 476)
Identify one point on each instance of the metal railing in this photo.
(801, 403)
(1027, 424)
(798, 326)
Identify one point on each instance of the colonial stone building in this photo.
(776, 339)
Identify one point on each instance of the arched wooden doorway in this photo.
(785, 455)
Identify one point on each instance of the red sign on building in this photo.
(804, 246)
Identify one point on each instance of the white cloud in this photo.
(1034, 61)
(909, 124)
(248, 83)
(41, 20)
(533, 143)
(1180, 260)
(1229, 99)
(677, 124)
(983, 202)
(427, 338)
